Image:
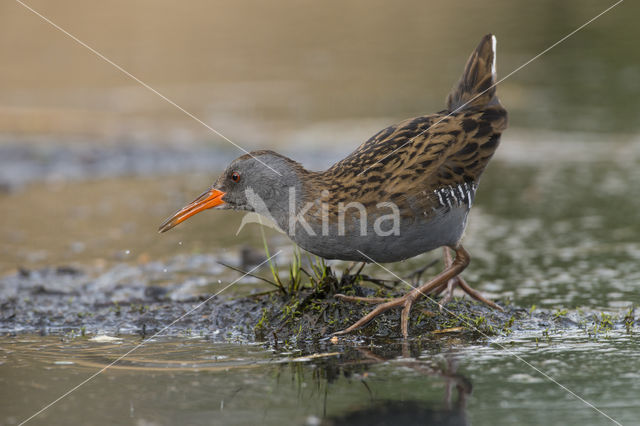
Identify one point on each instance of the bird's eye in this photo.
(235, 176)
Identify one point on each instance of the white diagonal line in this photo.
(137, 80)
(497, 82)
(120, 358)
(518, 357)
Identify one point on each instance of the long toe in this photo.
(448, 295)
(477, 295)
(373, 300)
(382, 307)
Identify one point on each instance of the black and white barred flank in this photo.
(456, 196)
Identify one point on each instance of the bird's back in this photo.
(434, 159)
(425, 170)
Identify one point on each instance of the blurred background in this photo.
(91, 162)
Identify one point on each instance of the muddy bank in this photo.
(128, 300)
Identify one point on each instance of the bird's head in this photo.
(260, 181)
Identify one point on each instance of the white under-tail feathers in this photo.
(493, 64)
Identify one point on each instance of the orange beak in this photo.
(208, 199)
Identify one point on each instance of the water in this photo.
(91, 164)
(193, 381)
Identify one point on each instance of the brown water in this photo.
(262, 72)
(91, 163)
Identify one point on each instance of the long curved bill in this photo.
(208, 199)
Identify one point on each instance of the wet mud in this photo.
(70, 302)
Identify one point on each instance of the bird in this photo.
(405, 191)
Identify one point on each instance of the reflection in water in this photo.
(401, 413)
(333, 385)
(412, 411)
(196, 381)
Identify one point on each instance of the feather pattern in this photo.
(410, 163)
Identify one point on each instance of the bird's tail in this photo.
(476, 88)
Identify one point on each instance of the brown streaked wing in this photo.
(468, 157)
(453, 150)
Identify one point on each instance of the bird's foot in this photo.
(458, 281)
(462, 284)
(373, 300)
(446, 281)
(383, 306)
(451, 271)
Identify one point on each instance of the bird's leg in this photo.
(439, 289)
(448, 295)
(458, 265)
(448, 260)
(415, 275)
(460, 282)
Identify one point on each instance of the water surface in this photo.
(193, 381)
